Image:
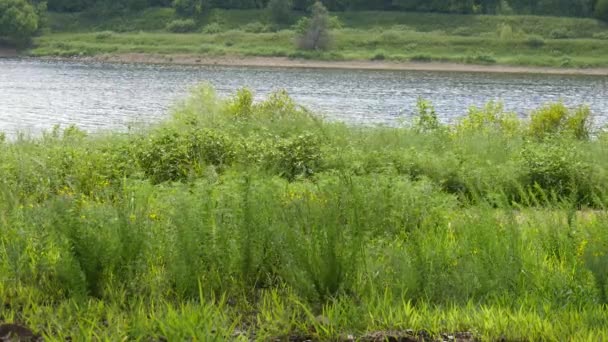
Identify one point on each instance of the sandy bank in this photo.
(283, 62)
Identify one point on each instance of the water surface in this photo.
(36, 95)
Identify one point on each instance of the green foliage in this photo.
(256, 27)
(238, 218)
(316, 35)
(558, 119)
(601, 10)
(189, 8)
(280, 11)
(535, 41)
(212, 28)
(427, 119)
(181, 26)
(18, 20)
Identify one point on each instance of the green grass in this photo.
(510, 40)
(233, 220)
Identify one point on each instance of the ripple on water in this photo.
(35, 95)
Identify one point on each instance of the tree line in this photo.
(580, 8)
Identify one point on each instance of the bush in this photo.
(480, 59)
(316, 35)
(505, 31)
(256, 27)
(561, 33)
(188, 8)
(601, 10)
(535, 41)
(600, 35)
(18, 20)
(212, 28)
(280, 11)
(554, 169)
(181, 26)
(298, 156)
(104, 35)
(557, 119)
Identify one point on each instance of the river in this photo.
(36, 95)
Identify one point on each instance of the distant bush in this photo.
(600, 35)
(535, 41)
(505, 31)
(463, 31)
(480, 59)
(188, 8)
(280, 11)
(256, 27)
(104, 35)
(181, 26)
(421, 58)
(212, 28)
(316, 33)
(561, 33)
(18, 20)
(379, 56)
(601, 10)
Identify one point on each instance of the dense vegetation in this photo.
(582, 8)
(389, 36)
(238, 220)
(19, 20)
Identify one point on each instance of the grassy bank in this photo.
(402, 37)
(240, 221)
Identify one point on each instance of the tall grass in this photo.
(237, 220)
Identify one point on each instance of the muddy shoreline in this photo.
(283, 62)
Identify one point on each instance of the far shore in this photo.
(283, 62)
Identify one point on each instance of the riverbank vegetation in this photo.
(508, 32)
(389, 36)
(241, 220)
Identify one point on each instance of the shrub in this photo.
(256, 27)
(561, 33)
(280, 11)
(168, 156)
(427, 117)
(188, 8)
(316, 35)
(488, 120)
(557, 119)
(600, 35)
(554, 169)
(480, 59)
(212, 28)
(298, 156)
(104, 35)
(181, 26)
(18, 20)
(505, 31)
(601, 10)
(535, 41)
(241, 106)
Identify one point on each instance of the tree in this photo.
(316, 35)
(18, 20)
(280, 11)
(601, 10)
(189, 8)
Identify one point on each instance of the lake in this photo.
(36, 95)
